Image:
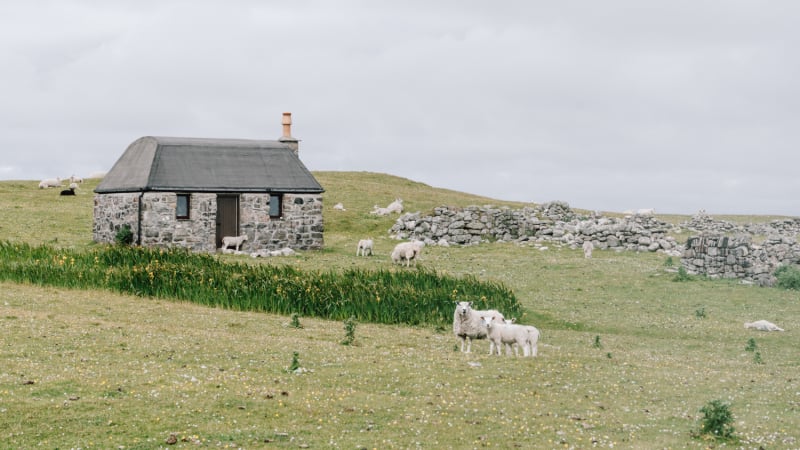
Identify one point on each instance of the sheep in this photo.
(339, 207)
(534, 334)
(73, 179)
(763, 325)
(500, 332)
(467, 323)
(378, 211)
(364, 247)
(235, 241)
(407, 251)
(645, 212)
(50, 182)
(587, 249)
(70, 191)
(396, 206)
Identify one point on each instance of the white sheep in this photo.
(73, 179)
(339, 207)
(50, 182)
(587, 249)
(499, 332)
(645, 212)
(467, 324)
(763, 325)
(533, 333)
(378, 211)
(396, 206)
(235, 241)
(364, 247)
(407, 251)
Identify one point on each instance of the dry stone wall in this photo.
(550, 223)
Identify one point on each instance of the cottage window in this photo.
(275, 206)
(182, 206)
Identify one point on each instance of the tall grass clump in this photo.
(788, 277)
(717, 420)
(391, 297)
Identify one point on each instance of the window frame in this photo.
(188, 214)
(279, 197)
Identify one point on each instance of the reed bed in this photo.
(413, 297)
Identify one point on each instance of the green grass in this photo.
(95, 369)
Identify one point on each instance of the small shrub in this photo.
(597, 343)
(788, 277)
(757, 358)
(700, 313)
(295, 362)
(717, 420)
(124, 235)
(751, 345)
(682, 275)
(349, 331)
(295, 323)
(669, 262)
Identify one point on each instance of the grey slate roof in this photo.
(208, 165)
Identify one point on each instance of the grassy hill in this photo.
(627, 357)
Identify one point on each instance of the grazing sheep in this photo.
(645, 212)
(534, 334)
(407, 251)
(70, 191)
(467, 324)
(763, 325)
(73, 185)
(50, 182)
(364, 247)
(73, 179)
(235, 241)
(587, 249)
(339, 207)
(500, 332)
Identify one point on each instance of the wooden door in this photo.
(227, 217)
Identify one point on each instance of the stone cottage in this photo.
(192, 192)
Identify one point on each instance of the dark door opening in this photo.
(227, 217)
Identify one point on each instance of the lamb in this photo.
(339, 207)
(73, 179)
(467, 323)
(407, 251)
(50, 182)
(500, 332)
(364, 247)
(763, 325)
(70, 191)
(533, 333)
(235, 241)
(587, 249)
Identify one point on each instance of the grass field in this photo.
(627, 356)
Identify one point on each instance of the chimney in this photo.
(287, 138)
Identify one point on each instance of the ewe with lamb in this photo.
(468, 325)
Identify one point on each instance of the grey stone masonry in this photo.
(551, 222)
(151, 216)
(718, 256)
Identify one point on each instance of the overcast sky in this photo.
(607, 105)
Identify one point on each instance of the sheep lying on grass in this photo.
(407, 251)
(339, 207)
(763, 325)
(378, 211)
(286, 251)
(364, 247)
(70, 191)
(396, 206)
(534, 335)
(499, 332)
(467, 324)
(235, 241)
(50, 182)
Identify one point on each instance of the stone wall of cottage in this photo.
(111, 213)
(300, 227)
